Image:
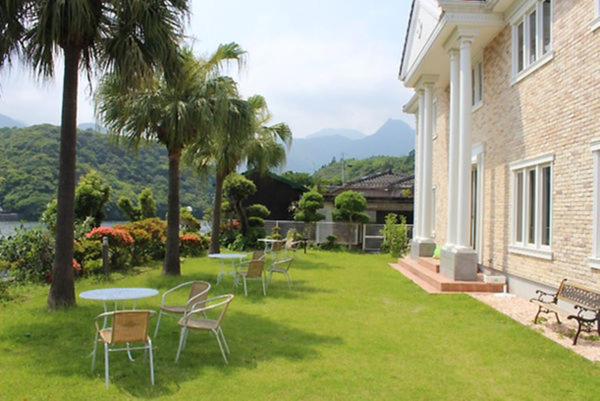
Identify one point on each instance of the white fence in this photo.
(367, 235)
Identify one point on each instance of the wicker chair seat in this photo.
(173, 309)
(204, 324)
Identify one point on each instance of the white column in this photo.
(464, 163)
(421, 137)
(417, 190)
(453, 146)
(426, 195)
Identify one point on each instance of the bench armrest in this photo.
(545, 297)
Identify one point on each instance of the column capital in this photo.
(459, 37)
(426, 82)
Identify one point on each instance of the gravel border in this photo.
(523, 311)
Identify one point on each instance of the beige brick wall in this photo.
(554, 110)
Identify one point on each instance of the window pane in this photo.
(547, 26)
(480, 79)
(519, 208)
(520, 45)
(532, 37)
(531, 214)
(546, 205)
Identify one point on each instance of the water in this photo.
(8, 228)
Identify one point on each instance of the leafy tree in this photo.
(174, 111)
(395, 234)
(189, 223)
(91, 196)
(238, 188)
(356, 169)
(125, 37)
(146, 208)
(350, 207)
(257, 214)
(242, 138)
(299, 178)
(308, 207)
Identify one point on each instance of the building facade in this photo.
(385, 192)
(507, 103)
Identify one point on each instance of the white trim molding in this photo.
(532, 207)
(596, 23)
(594, 260)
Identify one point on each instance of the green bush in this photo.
(193, 245)
(93, 266)
(276, 233)
(331, 244)
(350, 207)
(28, 254)
(395, 234)
(150, 236)
(187, 221)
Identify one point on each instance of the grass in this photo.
(350, 329)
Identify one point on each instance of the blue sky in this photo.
(320, 64)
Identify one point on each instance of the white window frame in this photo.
(596, 22)
(594, 260)
(537, 249)
(434, 117)
(542, 57)
(478, 84)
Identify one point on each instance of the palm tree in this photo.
(260, 146)
(174, 112)
(121, 36)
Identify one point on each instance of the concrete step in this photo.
(433, 282)
(430, 264)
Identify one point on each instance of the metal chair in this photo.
(197, 319)
(198, 292)
(128, 327)
(281, 266)
(254, 272)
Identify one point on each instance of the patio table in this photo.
(234, 259)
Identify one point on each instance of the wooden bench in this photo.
(586, 302)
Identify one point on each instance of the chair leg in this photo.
(94, 353)
(270, 277)
(264, 286)
(224, 341)
(157, 324)
(578, 332)
(537, 315)
(181, 341)
(289, 279)
(245, 286)
(106, 366)
(221, 347)
(151, 351)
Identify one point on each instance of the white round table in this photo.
(234, 258)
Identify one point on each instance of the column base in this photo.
(422, 248)
(459, 264)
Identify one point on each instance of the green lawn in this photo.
(351, 329)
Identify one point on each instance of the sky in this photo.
(319, 63)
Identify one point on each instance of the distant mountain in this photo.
(346, 133)
(8, 122)
(394, 138)
(92, 127)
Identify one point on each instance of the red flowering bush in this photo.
(150, 237)
(120, 242)
(193, 244)
(116, 236)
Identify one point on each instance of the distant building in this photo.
(385, 193)
(277, 193)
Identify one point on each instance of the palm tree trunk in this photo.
(62, 290)
(215, 235)
(172, 265)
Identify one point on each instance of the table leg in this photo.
(105, 317)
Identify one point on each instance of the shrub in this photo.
(395, 236)
(193, 245)
(145, 208)
(150, 237)
(121, 245)
(309, 206)
(28, 254)
(276, 233)
(331, 243)
(94, 266)
(189, 224)
(350, 207)
(87, 249)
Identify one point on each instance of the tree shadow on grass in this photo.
(59, 344)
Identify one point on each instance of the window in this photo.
(434, 114)
(595, 259)
(532, 36)
(477, 78)
(532, 207)
(596, 22)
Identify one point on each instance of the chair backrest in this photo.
(289, 244)
(130, 327)
(224, 306)
(277, 246)
(579, 295)
(258, 255)
(283, 263)
(215, 307)
(255, 269)
(199, 291)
